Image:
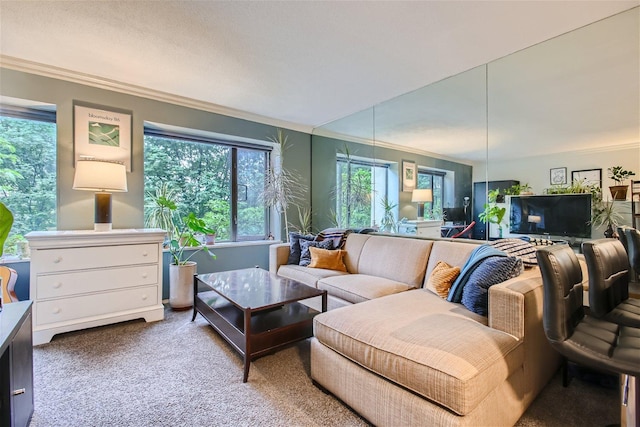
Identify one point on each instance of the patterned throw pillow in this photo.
(324, 258)
(338, 235)
(305, 254)
(294, 246)
(441, 279)
(518, 248)
(493, 270)
(536, 241)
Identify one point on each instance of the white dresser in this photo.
(82, 279)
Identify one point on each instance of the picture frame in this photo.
(102, 133)
(408, 175)
(558, 176)
(589, 176)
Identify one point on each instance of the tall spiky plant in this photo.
(160, 209)
(283, 186)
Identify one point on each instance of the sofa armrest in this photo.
(512, 302)
(515, 307)
(278, 255)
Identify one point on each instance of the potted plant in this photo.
(388, 221)
(181, 269)
(282, 186)
(493, 214)
(619, 175)
(606, 212)
(210, 237)
(160, 208)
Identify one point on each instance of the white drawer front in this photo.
(52, 260)
(82, 282)
(80, 307)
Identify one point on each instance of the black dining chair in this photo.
(588, 341)
(608, 267)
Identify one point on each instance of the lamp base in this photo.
(102, 218)
(102, 226)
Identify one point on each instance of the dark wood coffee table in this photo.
(255, 311)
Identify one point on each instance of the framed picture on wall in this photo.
(408, 175)
(102, 133)
(558, 176)
(588, 176)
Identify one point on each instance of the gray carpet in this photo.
(179, 373)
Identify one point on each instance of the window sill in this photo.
(234, 244)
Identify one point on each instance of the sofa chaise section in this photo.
(416, 359)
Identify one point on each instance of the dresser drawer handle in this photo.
(145, 275)
(144, 297)
(145, 253)
(57, 285)
(57, 260)
(56, 310)
(19, 391)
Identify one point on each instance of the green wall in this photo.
(75, 208)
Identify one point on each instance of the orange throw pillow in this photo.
(324, 258)
(441, 279)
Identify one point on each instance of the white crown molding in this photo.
(18, 64)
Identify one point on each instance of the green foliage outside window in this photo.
(198, 175)
(27, 177)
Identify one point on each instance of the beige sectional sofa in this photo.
(399, 354)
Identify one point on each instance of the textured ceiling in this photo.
(300, 64)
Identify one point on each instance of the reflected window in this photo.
(198, 174)
(434, 180)
(360, 188)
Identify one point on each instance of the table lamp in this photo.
(103, 177)
(421, 196)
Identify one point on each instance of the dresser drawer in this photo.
(83, 282)
(67, 259)
(61, 310)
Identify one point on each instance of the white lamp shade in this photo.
(97, 175)
(422, 195)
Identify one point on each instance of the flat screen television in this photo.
(556, 215)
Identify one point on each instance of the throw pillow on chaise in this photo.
(493, 270)
(327, 259)
(441, 279)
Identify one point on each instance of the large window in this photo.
(361, 187)
(27, 173)
(430, 179)
(219, 182)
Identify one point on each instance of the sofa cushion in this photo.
(441, 278)
(494, 270)
(453, 253)
(356, 288)
(437, 349)
(305, 254)
(395, 258)
(323, 258)
(353, 245)
(306, 275)
(294, 246)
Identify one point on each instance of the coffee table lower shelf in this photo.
(255, 333)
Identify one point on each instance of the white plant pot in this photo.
(181, 285)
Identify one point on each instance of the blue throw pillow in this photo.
(494, 270)
(294, 246)
(305, 253)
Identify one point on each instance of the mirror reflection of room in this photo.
(551, 120)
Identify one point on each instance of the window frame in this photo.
(234, 146)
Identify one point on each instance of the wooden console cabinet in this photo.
(82, 279)
(16, 365)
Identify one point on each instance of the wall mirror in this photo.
(546, 113)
